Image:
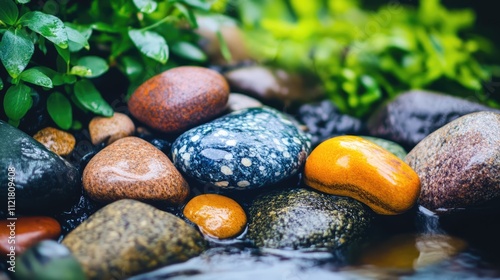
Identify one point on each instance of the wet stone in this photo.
(390, 146)
(305, 219)
(128, 237)
(459, 164)
(246, 149)
(238, 101)
(58, 141)
(110, 129)
(413, 115)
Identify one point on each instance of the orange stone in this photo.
(26, 232)
(58, 141)
(216, 215)
(354, 167)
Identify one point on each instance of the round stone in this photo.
(133, 168)
(390, 146)
(180, 98)
(216, 215)
(238, 101)
(26, 232)
(459, 164)
(58, 141)
(305, 219)
(244, 149)
(355, 167)
(110, 129)
(128, 237)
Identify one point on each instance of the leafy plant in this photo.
(365, 57)
(59, 54)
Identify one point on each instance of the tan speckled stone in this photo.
(128, 237)
(133, 168)
(58, 141)
(110, 129)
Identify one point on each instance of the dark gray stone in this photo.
(246, 149)
(128, 237)
(392, 147)
(459, 164)
(415, 114)
(43, 180)
(305, 219)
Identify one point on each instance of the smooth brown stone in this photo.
(28, 232)
(180, 98)
(110, 129)
(133, 168)
(58, 141)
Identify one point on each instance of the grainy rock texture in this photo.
(109, 130)
(128, 237)
(459, 164)
(305, 219)
(58, 141)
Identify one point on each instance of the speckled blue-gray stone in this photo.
(246, 149)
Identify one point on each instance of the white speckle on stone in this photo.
(277, 173)
(262, 136)
(273, 155)
(186, 156)
(286, 154)
(285, 141)
(226, 170)
(276, 141)
(228, 157)
(231, 142)
(191, 149)
(296, 140)
(222, 133)
(286, 121)
(243, 184)
(262, 168)
(195, 138)
(246, 162)
(222, 184)
(182, 149)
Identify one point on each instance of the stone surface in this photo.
(216, 215)
(305, 219)
(355, 167)
(128, 237)
(244, 150)
(109, 130)
(58, 141)
(238, 101)
(179, 98)
(392, 147)
(26, 231)
(459, 163)
(415, 114)
(48, 260)
(273, 86)
(43, 180)
(324, 120)
(133, 168)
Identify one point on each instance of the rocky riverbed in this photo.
(196, 182)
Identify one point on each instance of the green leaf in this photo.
(80, 71)
(188, 13)
(189, 51)
(64, 53)
(146, 6)
(37, 77)
(200, 4)
(91, 99)
(95, 64)
(59, 109)
(77, 125)
(23, 1)
(16, 50)
(76, 39)
(104, 27)
(17, 101)
(1, 84)
(132, 68)
(226, 53)
(49, 26)
(151, 44)
(8, 12)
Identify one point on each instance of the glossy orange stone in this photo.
(216, 215)
(354, 167)
(25, 232)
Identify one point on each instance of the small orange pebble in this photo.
(354, 167)
(25, 232)
(216, 215)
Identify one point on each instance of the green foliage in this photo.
(60, 54)
(365, 57)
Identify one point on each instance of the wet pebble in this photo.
(133, 168)
(238, 101)
(110, 129)
(355, 167)
(390, 146)
(216, 215)
(58, 141)
(180, 98)
(459, 164)
(246, 149)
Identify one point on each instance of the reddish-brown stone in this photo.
(180, 98)
(25, 232)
